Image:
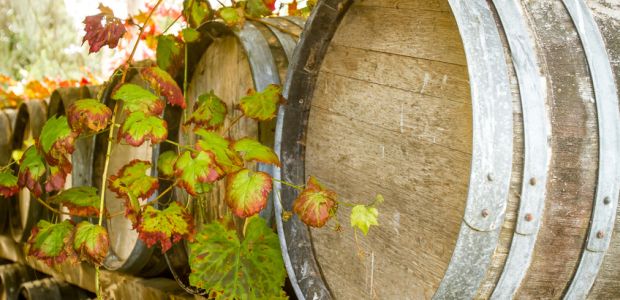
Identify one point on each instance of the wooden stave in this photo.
(311, 51)
(7, 122)
(281, 49)
(142, 260)
(31, 114)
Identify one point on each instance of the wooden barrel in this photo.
(127, 252)
(52, 289)
(25, 211)
(11, 278)
(490, 127)
(230, 64)
(82, 157)
(7, 122)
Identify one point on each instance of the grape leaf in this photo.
(230, 269)
(363, 217)
(81, 201)
(247, 192)
(197, 11)
(165, 163)
(56, 141)
(91, 242)
(170, 53)
(89, 116)
(161, 81)
(316, 204)
(190, 35)
(8, 184)
(262, 106)
(232, 16)
(195, 170)
(253, 150)
(51, 243)
(136, 98)
(131, 183)
(56, 178)
(166, 226)
(209, 112)
(99, 35)
(139, 127)
(225, 157)
(256, 9)
(31, 171)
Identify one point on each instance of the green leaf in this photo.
(316, 204)
(51, 243)
(363, 217)
(190, 35)
(91, 242)
(162, 82)
(31, 171)
(132, 183)
(257, 9)
(136, 98)
(247, 192)
(166, 226)
(209, 112)
(197, 10)
(232, 16)
(262, 106)
(139, 127)
(197, 171)
(89, 116)
(81, 201)
(165, 163)
(253, 150)
(225, 157)
(56, 141)
(170, 53)
(230, 269)
(8, 184)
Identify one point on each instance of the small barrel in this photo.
(7, 122)
(11, 278)
(230, 64)
(25, 211)
(51, 289)
(127, 253)
(492, 130)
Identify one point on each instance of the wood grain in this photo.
(570, 191)
(391, 114)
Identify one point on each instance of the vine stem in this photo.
(167, 190)
(111, 138)
(7, 166)
(58, 212)
(297, 187)
(230, 126)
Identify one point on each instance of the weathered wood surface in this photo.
(391, 114)
(115, 285)
(607, 15)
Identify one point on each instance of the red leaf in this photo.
(316, 204)
(99, 35)
(161, 81)
(55, 179)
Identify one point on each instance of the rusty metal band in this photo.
(608, 181)
(491, 154)
(537, 156)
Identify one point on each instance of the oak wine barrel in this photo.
(230, 63)
(127, 252)
(24, 211)
(52, 289)
(11, 278)
(492, 130)
(7, 122)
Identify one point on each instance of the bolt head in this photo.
(533, 181)
(490, 177)
(607, 200)
(600, 234)
(529, 217)
(484, 213)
